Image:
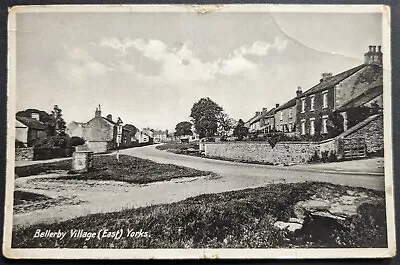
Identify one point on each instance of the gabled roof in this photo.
(363, 98)
(289, 104)
(31, 123)
(271, 112)
(332, 81)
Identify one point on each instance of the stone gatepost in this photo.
(82, 159)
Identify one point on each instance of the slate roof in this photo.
(289, 104)
(332, 81)
(363, 98)
(31, 123)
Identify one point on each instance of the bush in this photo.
(49, 153)
(75, 141)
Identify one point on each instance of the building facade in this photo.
(29, 130)
(315, 105)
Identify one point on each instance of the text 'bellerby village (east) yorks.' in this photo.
(88, 235)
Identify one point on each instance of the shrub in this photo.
(75, 141)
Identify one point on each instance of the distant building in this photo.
(100, 132)
(29, 130)
(160, 136)
(285, 116)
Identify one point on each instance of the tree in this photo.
(205, 115)
(225, 124)
(183, 128)
(240, 130)
(334, 125)
(58, 121)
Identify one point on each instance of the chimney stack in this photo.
(257, 113)
(326, 76)
(373, 56)
(35, 115)
(109, 117)
(299, 91)
(276, 105)
(97, 112)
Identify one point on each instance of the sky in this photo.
(150, 68)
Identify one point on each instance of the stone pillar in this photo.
(82, 159)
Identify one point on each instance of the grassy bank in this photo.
(238, 219)
(178, 148)
(130, 169)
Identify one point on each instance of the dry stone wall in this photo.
(372, 133)
(284, 153)
(25, 153)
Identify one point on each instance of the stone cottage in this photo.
(29, 130)
(100, 133)
(361, 84)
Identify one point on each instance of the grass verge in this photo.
(130, 169)
(237, 219)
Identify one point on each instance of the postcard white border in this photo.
(42, 253)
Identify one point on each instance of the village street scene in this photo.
(295, 163)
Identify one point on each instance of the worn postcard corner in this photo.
(190, 131)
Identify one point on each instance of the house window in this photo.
(290, 113)
(312, 126)
(290, 127)
(303, 127)
(281, 116)
(324, 123)
(303, 105)
(312, 102)
(325, 99)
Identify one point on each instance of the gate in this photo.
(354, 148)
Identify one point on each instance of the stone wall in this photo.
(24, 153)
(284, 153)
(372, 132)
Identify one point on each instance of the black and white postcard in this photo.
(185, 131)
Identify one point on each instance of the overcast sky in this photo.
(149, 68)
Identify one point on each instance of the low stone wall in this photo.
(285, 153)
(372, 133)
(25, 153)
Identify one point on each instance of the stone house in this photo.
(314, 106)
(285, 116)
(160, 136)
(254, 123)
(28, 130)
(100, 133)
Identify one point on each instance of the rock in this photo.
(350, 192)
(294, 226)
(289, 226)
(281, 225)
(327, 215)
(348, 199)
(344, 210)
(302, 207)
(296, 220)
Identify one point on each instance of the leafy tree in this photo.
(240, 130)
(58, 121)
(206, 116)
(225, 124)
(183, 128)
(334, 124)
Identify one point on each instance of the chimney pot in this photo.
(374, 48)
(97, 113)
(35, 115)
(276, 105)
(379, 48)
(109, 117)
(370, 48)
(299, 91)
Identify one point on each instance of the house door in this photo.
(354, 148)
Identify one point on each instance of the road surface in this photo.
(244, 175)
